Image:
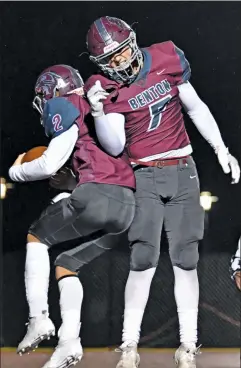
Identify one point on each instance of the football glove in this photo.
(96, 95)
(229, 164)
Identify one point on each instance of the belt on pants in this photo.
(162, 163)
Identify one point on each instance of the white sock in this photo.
(136, 296)
(71, 298)
(37, 269)
(186, 292)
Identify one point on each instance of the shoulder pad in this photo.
(58, 116)
(174, 60)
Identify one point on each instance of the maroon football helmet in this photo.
(107, 36)
(55, 81)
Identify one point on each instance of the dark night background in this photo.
(35, 35)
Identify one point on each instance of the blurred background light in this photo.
(4, 187)
(206, 200)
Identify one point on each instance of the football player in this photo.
(143, 91)
(235, 266)
(102, 203)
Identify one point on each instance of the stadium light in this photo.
(4, 187)
(206, 200)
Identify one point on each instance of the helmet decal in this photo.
(106, 37)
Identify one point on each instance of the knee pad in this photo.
(143, 257)
(185, 256)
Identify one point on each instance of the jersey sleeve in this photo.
(185, 71)
(175, 62)
(58, 116)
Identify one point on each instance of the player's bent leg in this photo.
(92, 209)
(86, 252)
(56, 224)
(37, 269)
(69, 350)
(184, 223)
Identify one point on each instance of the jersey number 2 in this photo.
(156, 110)
(57, 122)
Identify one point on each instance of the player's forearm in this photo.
(111, 133)
(201, 116)
(56, 155)
(30, 171)
(207, 126)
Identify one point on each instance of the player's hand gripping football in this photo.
(64, 179)
(229, 165)
(96, 95)
(18, 160)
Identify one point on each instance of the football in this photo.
(34, 153)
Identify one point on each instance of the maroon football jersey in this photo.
(90, 162)
(153, 118)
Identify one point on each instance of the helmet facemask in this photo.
(125, 72)
(38, 104)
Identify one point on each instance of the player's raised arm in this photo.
(202, 117)
(110, 128)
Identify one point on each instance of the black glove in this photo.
(64, 179)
